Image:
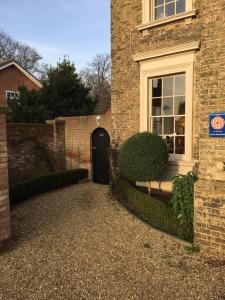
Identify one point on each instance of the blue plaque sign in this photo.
(217, 125)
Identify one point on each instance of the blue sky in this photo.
(77, 28)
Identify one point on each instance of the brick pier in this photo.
(5, 231)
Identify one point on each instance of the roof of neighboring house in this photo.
(8, 64)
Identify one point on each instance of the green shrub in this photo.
(143, 157)
(182, 201)
(155, 212)
(34, 186)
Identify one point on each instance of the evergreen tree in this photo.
(64, 92)
(28, 107)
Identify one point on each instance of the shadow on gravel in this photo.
(46, 214)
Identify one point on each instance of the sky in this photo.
(76, 28)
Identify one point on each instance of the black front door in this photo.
(100, 156)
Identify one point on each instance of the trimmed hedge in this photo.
(36, 185)
(143, 157)
(155, 212)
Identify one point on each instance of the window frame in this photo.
(173, 157)
(16, 95)
(153, 17)
(164, 66)
(148, 14)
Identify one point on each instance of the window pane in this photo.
(157, 126)
(179, 145)
(180, 125)
(159, 2)
(168, 86)
(156, 107)
(168, 126)
(170, 9)
(157, 88)
(168, 106)
(169, 1)
(170, 143)
(180, 84)
(180, 6)
(159, 12)
(179, 105)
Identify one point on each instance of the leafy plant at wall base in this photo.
(114, 165)
(193, 249)
(182, 201)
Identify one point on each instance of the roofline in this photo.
(21, 69)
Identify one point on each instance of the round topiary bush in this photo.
(143, 157)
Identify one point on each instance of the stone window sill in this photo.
(160, 22)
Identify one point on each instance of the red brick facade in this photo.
(11, 79)
(35, 149)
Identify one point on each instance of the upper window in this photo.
(167, 8)
(158, 12)
(11, 95)
(167, 111)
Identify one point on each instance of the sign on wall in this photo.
(217, 125)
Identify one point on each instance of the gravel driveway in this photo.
(79, 243)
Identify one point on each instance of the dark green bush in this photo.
(34, 186)
(143, 157)
(182, 201)
(155, 212)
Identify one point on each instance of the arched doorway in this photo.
(100, 156)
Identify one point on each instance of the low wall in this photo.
(78, 131)
(34, 149)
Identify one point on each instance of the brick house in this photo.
(12, 76)
(168, 74)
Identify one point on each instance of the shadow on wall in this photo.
(78, 132)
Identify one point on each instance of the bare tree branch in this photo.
(25, 55)
(97, 77)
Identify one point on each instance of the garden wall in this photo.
(34, 149)
(5, 231)
(78, 131)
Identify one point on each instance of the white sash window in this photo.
(166, 91)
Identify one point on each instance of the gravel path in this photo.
(79, 243)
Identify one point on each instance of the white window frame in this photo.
(164, 66)
(148, 15)
(152, 12)
(16, 95)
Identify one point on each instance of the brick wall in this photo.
(5, 231)
(210, 190)
(209, 75)
(78, 131)
(11, 78)
(35, 149)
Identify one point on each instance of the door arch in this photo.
(100, 141)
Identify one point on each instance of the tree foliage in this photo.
(65, 93)
(26, 56)
(97, 77)
(29, 107)
(143, 157)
